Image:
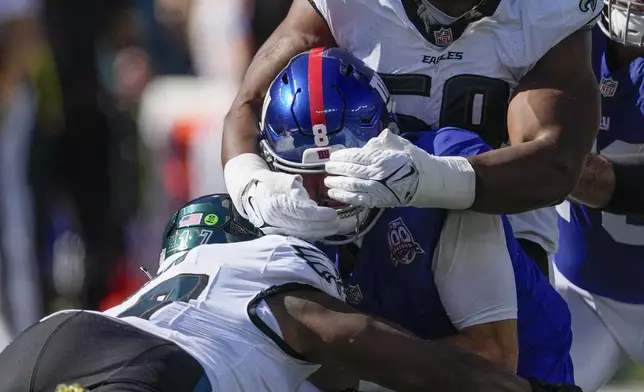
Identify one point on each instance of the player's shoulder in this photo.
(285, 247)
(275, 241)
(573, 13)
(295, 261)
(265, 248)
(528, 29)
(250, 254)
(557, 19)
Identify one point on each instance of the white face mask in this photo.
(623, 22)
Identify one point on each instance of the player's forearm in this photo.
(628, 194)
(523, 177)
(240, 125)
(241, 122)
(330, 332)
(612, 183)
(240, 132)
(488, 349)
(420, 364)
(302, 30)
(596, 184)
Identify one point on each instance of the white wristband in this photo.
(241, 170)
(444, 182)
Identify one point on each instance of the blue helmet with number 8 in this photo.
(325, 100)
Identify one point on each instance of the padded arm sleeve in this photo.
(473, 270)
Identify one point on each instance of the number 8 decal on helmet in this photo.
(319, 132)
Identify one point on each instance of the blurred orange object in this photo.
(184, 130)
(124, 283)
(176, 172)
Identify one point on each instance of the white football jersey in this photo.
(468, 80)
(210, 303)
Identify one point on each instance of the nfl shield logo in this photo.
(443, 37)
(608, 87)
(353, 294)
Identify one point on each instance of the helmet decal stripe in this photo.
(316, 95)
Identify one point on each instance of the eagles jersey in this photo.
(600, 252)
(210, 302)
(461, 74)
(411, 258)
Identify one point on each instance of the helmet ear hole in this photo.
(346, 69)
(285, 78)
(368, 120)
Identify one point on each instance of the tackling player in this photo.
(448, 64)
(441, 274)
(236, 317)
(599, 262)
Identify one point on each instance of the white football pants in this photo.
(605, 334)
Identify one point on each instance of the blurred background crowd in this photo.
(110, 119)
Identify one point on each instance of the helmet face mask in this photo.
(324, 100)
(623, 22)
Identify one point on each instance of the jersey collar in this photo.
(444, 35)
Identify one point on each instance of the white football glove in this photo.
(276, 203)
(389, 171)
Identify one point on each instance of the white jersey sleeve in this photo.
(337, 16)
(473, 270)
(297, 261)
(548, 22)
(210, 301)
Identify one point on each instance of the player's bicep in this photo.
(473, 270)
(558, 99)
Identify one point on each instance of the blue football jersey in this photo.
(393, 275)
(598, 251)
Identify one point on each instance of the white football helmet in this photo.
(623, 21)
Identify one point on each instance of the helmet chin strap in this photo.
(358, 232)
(146, 272)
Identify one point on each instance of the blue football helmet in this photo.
(323, 101)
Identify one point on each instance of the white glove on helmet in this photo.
(276, 203)
(389, 171)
